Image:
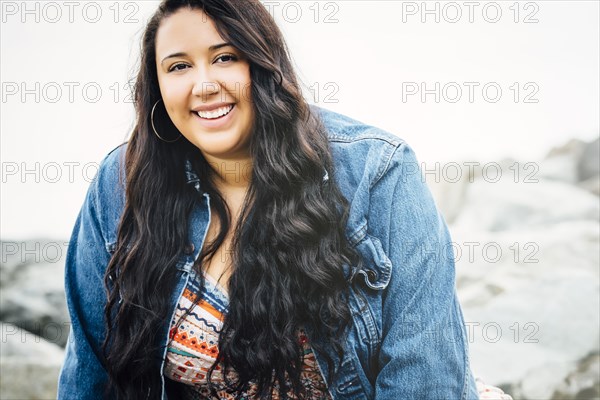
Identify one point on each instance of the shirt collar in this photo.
(191, 176)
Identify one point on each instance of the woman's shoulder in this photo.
(111, 171)
(108, 191)
(362, 153)
(343, 128)
(114, 158)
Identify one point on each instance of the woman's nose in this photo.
(205, 84)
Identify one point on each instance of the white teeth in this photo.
(219, 112)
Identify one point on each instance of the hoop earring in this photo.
(154, 128)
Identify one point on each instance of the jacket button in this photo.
(189, 248)
(372, 275)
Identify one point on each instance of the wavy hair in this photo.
(288, 245)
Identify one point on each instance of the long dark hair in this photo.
(288, 246)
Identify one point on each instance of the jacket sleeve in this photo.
(424, 348)
(83, 375)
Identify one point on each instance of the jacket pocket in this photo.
(348, 385)
(372, 276)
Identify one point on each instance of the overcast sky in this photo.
(511, 79)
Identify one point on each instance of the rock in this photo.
(32, 282)
(589, 162)
(531, 308)
(17, 342)
(502, 205)
(561, 168)
(29, 379)
(583, 382)
(573, 147)
(29, 365)
(575, 161)
(561, 163)
(449, 182)
(527, 256)
(449, 196)
(592, 185)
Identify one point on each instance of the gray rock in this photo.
(532, 310)
(573, 147)
(29, 365)
(532, 320)
(28, 379)
(592, 185)
(573, 162)
(560, 167)
(449, 196)
(17, 342)
(32, 282)
(589, 162)
(506, 205)
(449, 182)
(583, 382)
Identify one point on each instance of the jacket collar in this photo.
(193, 179)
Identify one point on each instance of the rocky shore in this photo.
(527, 251)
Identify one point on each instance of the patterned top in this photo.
(194, 346)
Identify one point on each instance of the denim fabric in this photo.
(408, 339)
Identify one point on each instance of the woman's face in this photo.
(205, 85)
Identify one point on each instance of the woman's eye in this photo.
(224, 57)
(227, 57)
(177, 67)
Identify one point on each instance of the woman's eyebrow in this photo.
(183, 54)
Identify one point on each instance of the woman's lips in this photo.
(215, 123)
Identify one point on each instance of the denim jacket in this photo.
(408, 338)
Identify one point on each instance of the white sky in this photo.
(365, 60)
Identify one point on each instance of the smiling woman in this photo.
(203, 83)
(320, 289)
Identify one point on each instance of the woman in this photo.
(243, 244)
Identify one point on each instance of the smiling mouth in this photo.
(216, 114)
